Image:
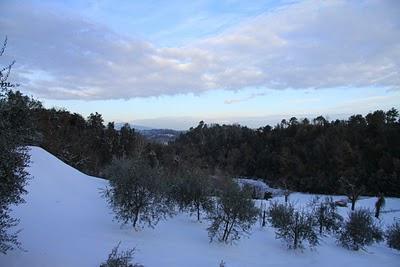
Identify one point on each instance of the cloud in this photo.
(238, 100)
(312, 44)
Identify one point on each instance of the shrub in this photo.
(393, 236)
(359, 230)
(120, 259)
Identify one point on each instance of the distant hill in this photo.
(118, 126)
(162, 136)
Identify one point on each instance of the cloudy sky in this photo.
(173, 63)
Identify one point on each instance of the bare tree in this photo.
(352, 190)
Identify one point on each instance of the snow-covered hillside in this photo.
(66, 222)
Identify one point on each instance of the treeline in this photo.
(309, 156)
(302, 155)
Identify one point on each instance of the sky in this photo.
(170, 64)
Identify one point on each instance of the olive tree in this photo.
(233, 215)
(359, 230)
(192, 190)
(136, 192)
(293, 226)
(326, 217)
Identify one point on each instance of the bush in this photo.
(294, 227)
(120, 259)
(359, 230)
(393, 236)
(233, 215)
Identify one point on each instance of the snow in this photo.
(66, 222)
(260, 185)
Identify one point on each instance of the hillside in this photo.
(66, 222)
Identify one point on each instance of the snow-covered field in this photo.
(66, 222)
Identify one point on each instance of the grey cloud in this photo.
(306, 45)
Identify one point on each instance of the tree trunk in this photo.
(198, 211)
(136, 218)
(295, 240)
(225, 230)
(229, 231)
(353, 203)
(263, 219)
(377, 212)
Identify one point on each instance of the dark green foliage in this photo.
(311, 156)
(8, 241)
(359, 230)
(233, 215)
(326, 216)
(120, 259)
(136, 192)
(15, 132)
(293, 226)
(393, 235)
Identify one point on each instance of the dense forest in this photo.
(310, 156)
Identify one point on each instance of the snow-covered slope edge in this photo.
(66, 222)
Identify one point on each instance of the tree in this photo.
(293, 226)
(136, 192)
(279, 214)
(353, 190)
(233, 214)
(192, 189)
(14, 157)
(359, 230)
(379, 204)
(326, 216)
(392, 115)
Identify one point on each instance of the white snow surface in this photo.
(66, 222)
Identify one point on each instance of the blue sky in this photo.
(173, 63)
